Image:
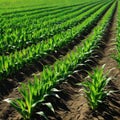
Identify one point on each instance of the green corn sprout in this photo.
(95, 88)
(32, 95)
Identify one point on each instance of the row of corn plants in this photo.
(35, 20)
(117, 56)
(24, 10)
(42, 12)
(38, 15)
(31, 11)
(9, 26)
(38, 24)
(23, 22)
(96, 82)
(42, 34)
(33, 16)
(35, 92)
(95, 87)
(46, 47)
(42, 16)
(28, 7)
(14, 62)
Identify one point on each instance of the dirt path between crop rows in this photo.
(76, 102)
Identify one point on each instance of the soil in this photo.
(73, 105)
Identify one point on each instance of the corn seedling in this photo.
(95, 87)
(32, 95)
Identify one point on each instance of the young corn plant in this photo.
(95, 87)
(32, 95)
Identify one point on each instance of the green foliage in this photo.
(117, 56)
(34, 93)
(20, 33)
(10, 5)
(95, 87)
(15, 61)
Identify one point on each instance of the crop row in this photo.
(38, 13)
(48, 17)
(44, 14)
(117, 57)
(15, 22)
(34, 18)
(35, 92)
(37, 19)
(35, 9)
(14, 62)
(118, 27)
(30, 11)
(32, 35)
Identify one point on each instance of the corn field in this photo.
(43, 44)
